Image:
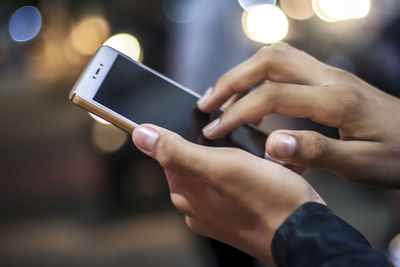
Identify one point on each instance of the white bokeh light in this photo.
(265, 24)
(339, 10)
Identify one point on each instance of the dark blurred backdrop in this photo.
(75, 192)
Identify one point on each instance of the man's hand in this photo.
(295, 84)
(226, 194)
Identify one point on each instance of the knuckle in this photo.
(269, 92)
(281, 47)
(225, 83)
(267, 53)
(317, 147)
(263, 51)
(271, 57)
(349, 98)
(341, 75)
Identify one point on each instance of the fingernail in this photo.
(268, 157)
(226, 105)
(145, 138)
(206, 95)
(211, 126)
(284, 145)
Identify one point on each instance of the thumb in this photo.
(161, 144)
(146, 137)
(352, 159)
(171, 150)
(304, 148)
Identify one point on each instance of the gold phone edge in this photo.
(82, 103)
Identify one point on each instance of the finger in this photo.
(279, 63)
(349, 159)
(295, 168)
(305, 148)
(321, 104)
(233, 99)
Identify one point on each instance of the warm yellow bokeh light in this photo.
(265, 24)
(127, 44)
(89, 34)
(108, 138)
(339, 10)
(98, 119)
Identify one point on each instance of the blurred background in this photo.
(74, 191)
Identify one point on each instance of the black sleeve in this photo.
(314, 236)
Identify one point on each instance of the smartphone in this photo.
(127, 93)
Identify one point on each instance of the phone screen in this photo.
(144, 97)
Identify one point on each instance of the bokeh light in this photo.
(318, 11)
(297, 9)
(89, 34)
(127, 44)
(182, 11)
(98, 119)
(108, 138)
(265, 24)
(338, 10)
(25, 24)
(246, 4)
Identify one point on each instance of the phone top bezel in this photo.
(89, 83)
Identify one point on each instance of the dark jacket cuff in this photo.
(314, 236)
